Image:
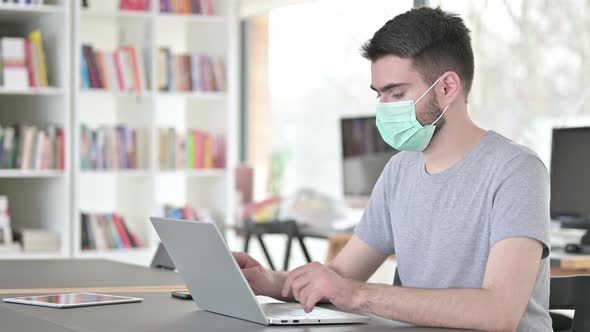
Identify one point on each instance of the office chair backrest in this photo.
(572, 292)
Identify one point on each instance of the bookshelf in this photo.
(140, 193)
(40, 199)
(53, 199)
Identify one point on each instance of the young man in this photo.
(465, 210)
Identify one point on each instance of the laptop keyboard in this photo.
(289, 311)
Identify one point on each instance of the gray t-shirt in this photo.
(442, 226)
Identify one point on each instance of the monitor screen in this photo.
(570, 172)
(364, 154)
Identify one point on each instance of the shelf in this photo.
(118, 172)
(118, 15)
(32, 255)
(51, 91)
(113, 93)
(191, 18)
(17, 13)
(206, 173)
(195, 95)
(17, 173)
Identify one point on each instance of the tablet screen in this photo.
(72, 300)
(76, 298)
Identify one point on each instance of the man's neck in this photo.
(452, 143)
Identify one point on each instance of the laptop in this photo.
(216, 283)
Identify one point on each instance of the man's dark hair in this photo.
(436, 41)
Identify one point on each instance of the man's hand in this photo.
(262, 280)
(314, 282)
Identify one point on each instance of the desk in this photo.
(158, 312)
(55, 276)
(568, 264)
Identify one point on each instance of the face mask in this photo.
(399, 127)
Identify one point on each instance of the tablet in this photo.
(72, 300)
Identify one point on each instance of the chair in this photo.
(287, 227)
(571, 292)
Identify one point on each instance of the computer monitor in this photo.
(570, 173)
(364, 155)
(570, 178)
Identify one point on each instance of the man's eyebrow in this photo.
(389, 86)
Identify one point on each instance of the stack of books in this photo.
(108, 148)
(121, 70)
(196, 149)
(38, 240)
(6, 3)
(189, 72)
(141, 5)
(187, 212)
(22, 62)
(5, 229)
(104, 231)
(28, 147)
(187, 7)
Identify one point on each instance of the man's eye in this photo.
(397, 95)
(378, 96)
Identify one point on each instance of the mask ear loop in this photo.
(441, 115)
(424, 94)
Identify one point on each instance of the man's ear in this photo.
(450, 89)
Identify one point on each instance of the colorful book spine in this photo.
(104, 231)
(123, 69)
(108, 148)
(196, 149)
(30, 148)
(189, 72)
(37, 40)
(186, 7)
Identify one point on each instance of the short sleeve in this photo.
(521, 202)
(375, 225)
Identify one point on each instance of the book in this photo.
(5, 226)
(39, 56)
(38, 240)
(207, 7)
(15, 74)
(124, 236)
(195, 149)
(84, 229)
(140, 5)
(29, 63)
(123, 69)
(187, 7)
(30, 147)
(102, 72)
(189, 72)
(188, 212)
(108, 148)
(84, 72)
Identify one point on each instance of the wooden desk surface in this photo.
(62, 276)
(569, 264)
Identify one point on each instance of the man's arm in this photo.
(355, 261)
(509, 279)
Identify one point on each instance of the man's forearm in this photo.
(279, 278)
(454, 308)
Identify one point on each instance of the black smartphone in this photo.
(185, 295)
